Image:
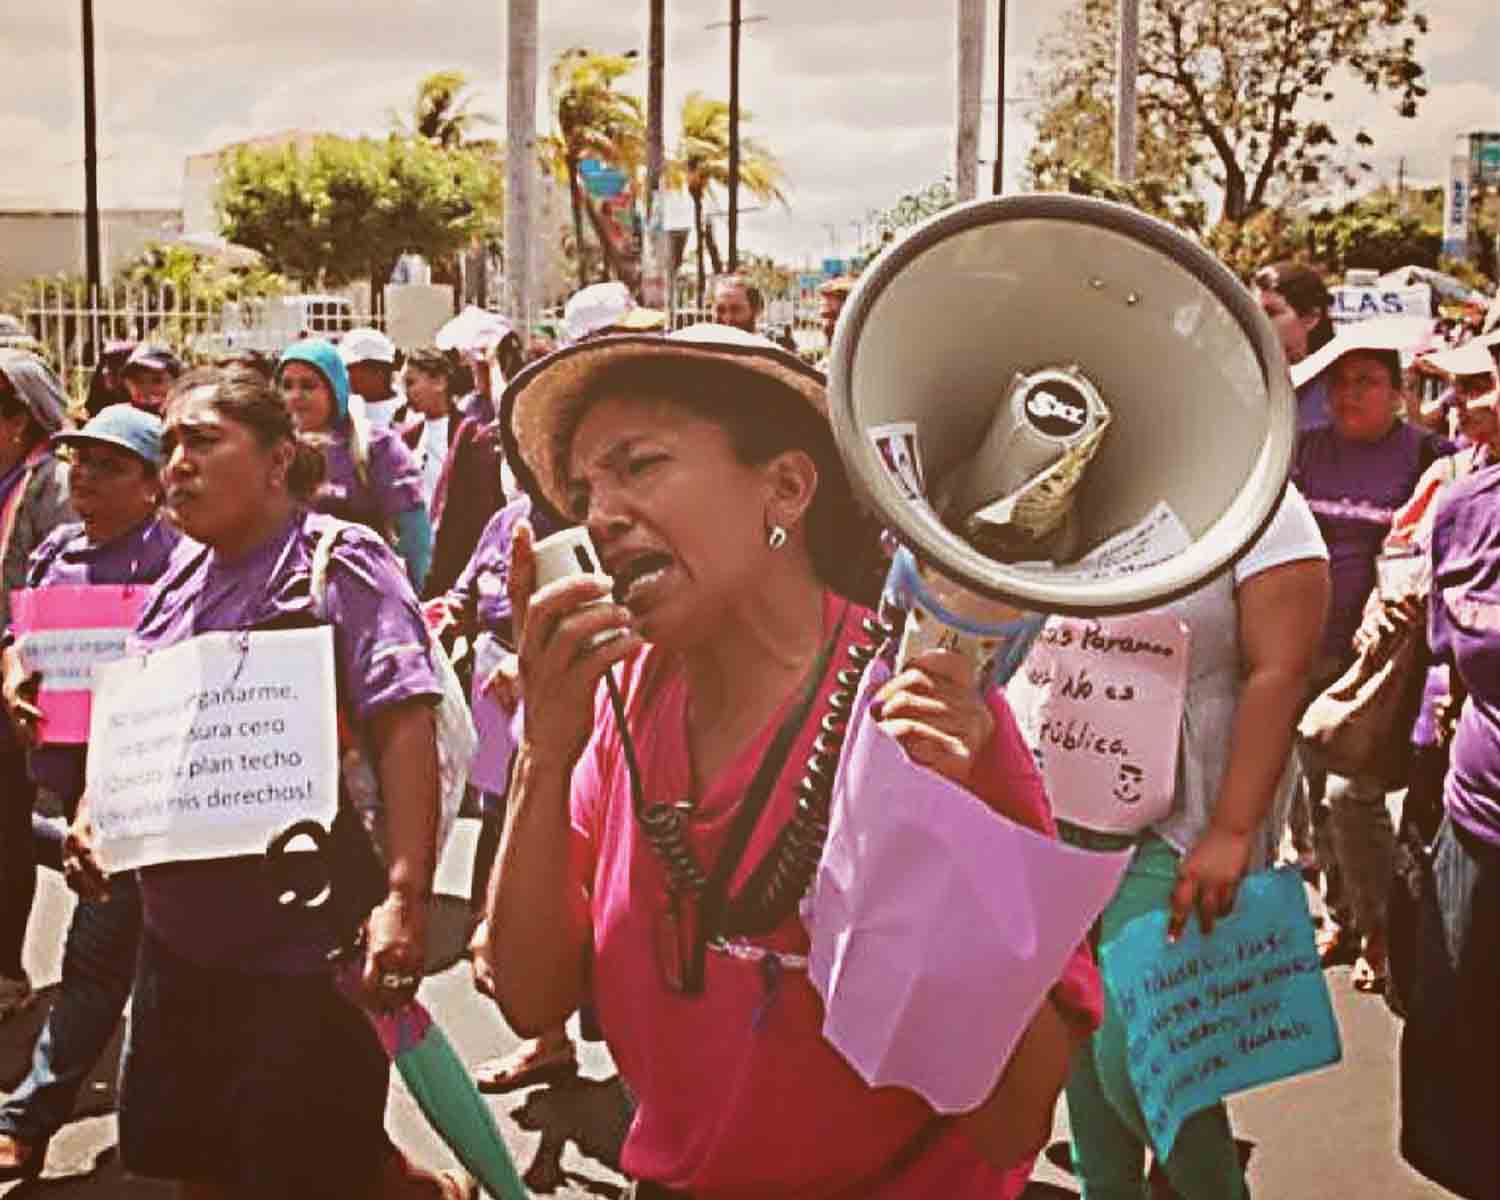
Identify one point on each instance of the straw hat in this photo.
(546, 398)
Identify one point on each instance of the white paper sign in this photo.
(1158, 536)
(210, 748)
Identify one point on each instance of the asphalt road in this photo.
(1324, 1136)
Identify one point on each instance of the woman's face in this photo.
(1362, 397)
(1290, 325)
(426, 392)
(218, 477)
(148, 387)
(308, 396)
(111, 489)
(678, 520)
(14, 421)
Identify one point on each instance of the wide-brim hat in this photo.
(1474, 357)
(1406, 335)
(549, 396)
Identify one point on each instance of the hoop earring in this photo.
(776, 537)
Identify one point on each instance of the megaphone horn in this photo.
(1022, 380)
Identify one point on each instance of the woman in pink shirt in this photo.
(649, 871)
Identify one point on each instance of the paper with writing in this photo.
(209, 748)
(1158, 536)
(62, 632)
(1100, 702)
(1208, 1017)
(937, 926)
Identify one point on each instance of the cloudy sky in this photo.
(855, 96)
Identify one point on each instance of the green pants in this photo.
(1109, 1132)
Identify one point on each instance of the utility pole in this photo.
(654, 250)
(970, 36)
(1126, 67)
(90, 159)
(734, 135)
(520, 161)
(997, 184)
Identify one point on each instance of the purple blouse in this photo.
(1463, 627)
(395, 479)
(67, 558)
(480, 595)
(222, 913)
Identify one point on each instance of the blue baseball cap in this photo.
(121, 425)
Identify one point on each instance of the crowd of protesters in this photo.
(703, 464)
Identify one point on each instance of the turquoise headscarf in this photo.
(324, 358)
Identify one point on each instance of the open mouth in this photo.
(634, 574)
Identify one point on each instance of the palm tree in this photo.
(441, 112)
(702, 164)
(593, 121)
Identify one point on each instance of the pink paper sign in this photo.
(1101, 704)
(62, 632)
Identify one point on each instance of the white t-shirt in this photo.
(431, 454)
(1291, 536)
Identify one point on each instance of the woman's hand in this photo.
(1385, 620)
(561, 656)
(503, 684)
(481, 968)
(81, 868)
(934, 709)
(18, 691)
(395, 951)
(1208, 880)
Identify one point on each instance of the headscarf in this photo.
(38, 388)
(324, 358)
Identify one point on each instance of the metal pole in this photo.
(1129, 13)
(90, 153)
(970, 34)
(997, 184)
(734, 135)
(654, 249)
(520, 162)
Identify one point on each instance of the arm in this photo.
(1281, 614)
(405, 747)
(538, 935)
(414, 543)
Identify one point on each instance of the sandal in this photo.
(519, 1071)
(20, 1159)
(1366, 978)
(1337, 944)
(458, 1184)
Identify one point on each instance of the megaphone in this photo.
(1040, 340)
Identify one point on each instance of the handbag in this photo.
(1362, 720)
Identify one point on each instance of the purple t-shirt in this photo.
(222, 913)
(1463, 627)
(66, 558)
(1354, 489)
(394, 479)
(1312, 404)
(481, 593)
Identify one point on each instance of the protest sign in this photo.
(1100, 703)
(210, 748)
(1207, 1017)
(61, 632)
(1352, 303)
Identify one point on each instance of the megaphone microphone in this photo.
(1073, 377)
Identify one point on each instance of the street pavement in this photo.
(1326, 1136)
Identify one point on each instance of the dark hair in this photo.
(762, 419)
(432, 361)
(1303, 288)
(244, 395)
(752, 293)
(510, 354)
(1389, 359)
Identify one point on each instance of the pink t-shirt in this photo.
(739, 1095)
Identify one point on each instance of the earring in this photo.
(776, 537)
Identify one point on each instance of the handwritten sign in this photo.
(210, 748)
(1100, 703)
(1208, 1017)
(61, 632)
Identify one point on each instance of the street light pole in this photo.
(654, 251)
(90, 158)
(520, 160)
(734, 135)
(997, 184)
(1126, 60)
(970, 37)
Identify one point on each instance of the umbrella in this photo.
(447, 1096)
(471, 329)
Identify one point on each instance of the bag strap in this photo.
(321, 560)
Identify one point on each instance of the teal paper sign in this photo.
(1208, 1017)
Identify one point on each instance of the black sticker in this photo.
(1056, 409)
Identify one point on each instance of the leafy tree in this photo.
(1227, 89)
(593, 120)
(442, 111)
(1149, 193)
(701, 164)
(912, 209)
(350, 208)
